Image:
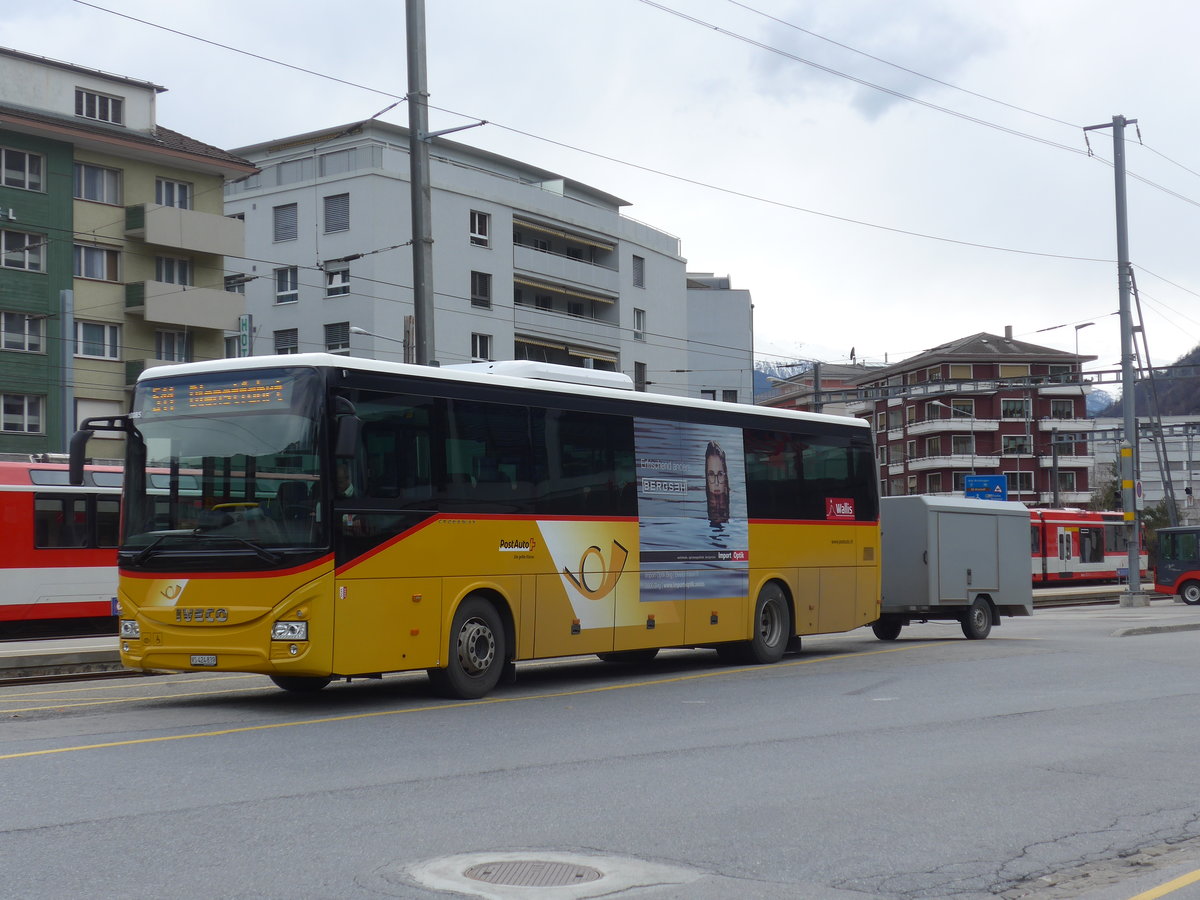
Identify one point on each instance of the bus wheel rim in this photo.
(476, 647)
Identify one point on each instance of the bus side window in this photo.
(60, 522)
(108, 522)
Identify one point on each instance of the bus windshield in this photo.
(225, 462)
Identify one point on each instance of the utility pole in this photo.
(422, 204)
(1128, 450)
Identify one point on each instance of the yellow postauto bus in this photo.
(312, 517)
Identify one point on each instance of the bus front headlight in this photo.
(129, 628)
(289, 631)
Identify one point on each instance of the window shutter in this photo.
(337, 213)
(285, 223)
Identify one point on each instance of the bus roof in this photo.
(479, 375)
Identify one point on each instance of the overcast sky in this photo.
(937, 187)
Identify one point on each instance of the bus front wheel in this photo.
(301, 684)
(476, 652)
(887, 628)
(1189, 592)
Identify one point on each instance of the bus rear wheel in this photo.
(977, 620)
(1189, 592)
(476, 652)
(772, 628)
(301, 684)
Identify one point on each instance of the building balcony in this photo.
(177, 304)
(186, 229)
(1081, 426)
(1068, 462)
(957, 424)
(1067, 498)
(954, 461)
(566, 269)
(562, 328)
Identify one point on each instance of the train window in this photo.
(60, 522)
(48, 476)
(108, 479)
(108, 522)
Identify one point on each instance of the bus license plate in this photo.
(204, 660)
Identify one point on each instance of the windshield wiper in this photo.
(269, 555)
(143, 554)
(262, 552)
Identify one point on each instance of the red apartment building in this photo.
(986, 405)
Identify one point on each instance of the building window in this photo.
(285, 220)
(99, 340)
(98, 184)
(98, 263)
(481, 290)
(287, 285)
(481, 347)
(962, 445)
(544, 302)
(962, 409)
(1066, 480)
(101, 107)
(172, 270)
(882, 453)
(1014, 409)
(22, 413)
(337, 213)
(1062, 409)
(337, 279)
(22, 250)
(21, 332)
(639, 272)
(1014, 370)
(233, 346)
(912, 484)
(173, 193)
(910, 414)
(933, 445)
(171, 345)
(933, 482)
(960, 481)
(337, 337)
(960, 371)
(19, 169)
(895, 419)
(708, 395)
(910, 449)
(481, 224)
(1020, 482)
(729, 396)
(639, 376)
(287, 341)
(235, 284)
(1014, 443)
(639, 324)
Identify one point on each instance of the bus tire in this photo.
(476, 652)
(977, 620)
(887, 629)
(772, 627)
(630, 657)
(301, 684)
(1189, 592)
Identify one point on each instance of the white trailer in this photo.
(953, 558)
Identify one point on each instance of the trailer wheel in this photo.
(977, 621)
(301, 684)
(476, 652)
(887, 629)
(1189, 592)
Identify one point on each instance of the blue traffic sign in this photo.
(985, 487)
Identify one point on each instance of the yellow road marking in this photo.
(84, 704)
(1169, 888)
(117, 685)
(677, 679)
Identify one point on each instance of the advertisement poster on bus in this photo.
(691, 510)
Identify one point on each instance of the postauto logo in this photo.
(519, 545)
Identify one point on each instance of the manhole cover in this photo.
(533, 873)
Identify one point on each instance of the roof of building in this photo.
(162, 139)
(71, 67)
(975, 348)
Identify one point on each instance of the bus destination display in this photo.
(218, 396)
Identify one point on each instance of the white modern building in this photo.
(527, 264)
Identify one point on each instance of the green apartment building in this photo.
(112, 248)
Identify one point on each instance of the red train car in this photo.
(1071, 545)
(58, 556)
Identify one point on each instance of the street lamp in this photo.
(1079, 328)
(354, 329)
